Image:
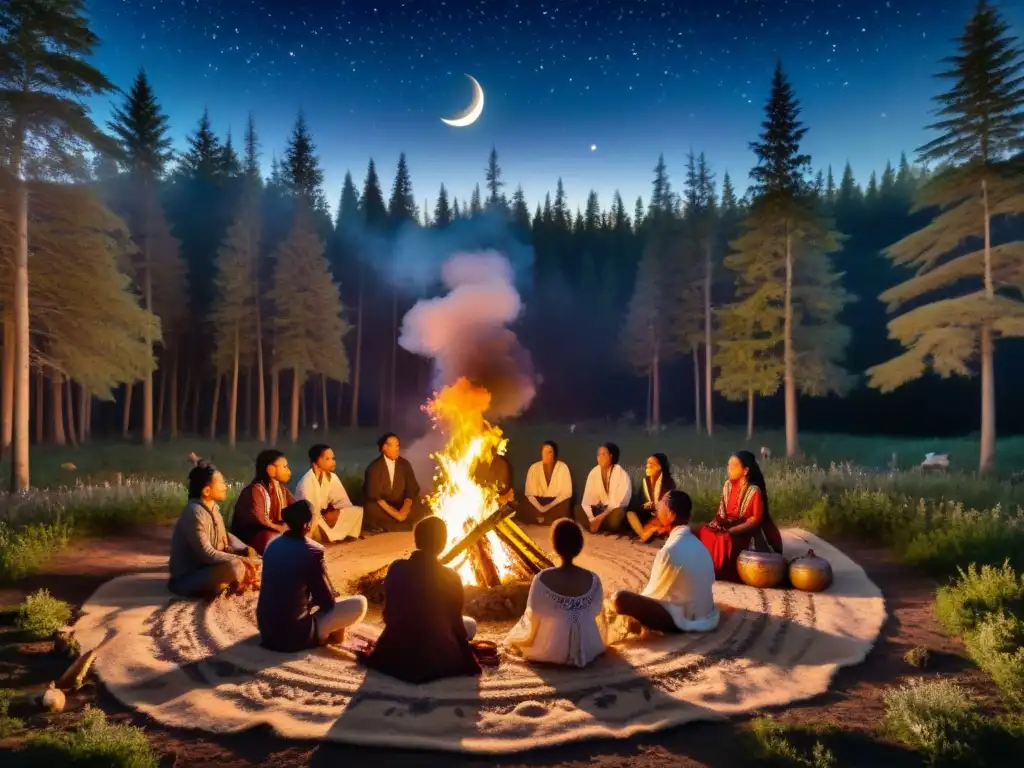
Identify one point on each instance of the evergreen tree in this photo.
(251, 163)
(782, 262)
(560, 215)
(375, 213)
(493, 178)
(141, 130)
(520, 213)
(301, 170)
(871, 193)
(44, 77)
(230, 164)
(402, 205)
(729, 202)
(888, 185)
(980, 137)
(456, 211)
(830, 187)
(251, 202)
(662, 203)
(475, 206)
(638, 214)
(307, 319)
(205, 154)
(442, 211)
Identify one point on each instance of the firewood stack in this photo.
(527, 558)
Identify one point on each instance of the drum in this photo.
(765, 570)
(810, 573)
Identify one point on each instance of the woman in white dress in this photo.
(548, 488)
(564, 622)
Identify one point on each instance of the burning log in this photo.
(480, 530)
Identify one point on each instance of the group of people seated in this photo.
(272, 548)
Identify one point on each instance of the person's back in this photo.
(283, 612)
(425, 636)
(564, 620)
(691, 575)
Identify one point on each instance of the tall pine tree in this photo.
(980, 139)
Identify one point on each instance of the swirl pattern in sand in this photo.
(193, 664)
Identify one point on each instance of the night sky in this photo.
(634, 78)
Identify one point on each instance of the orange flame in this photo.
(458, 413)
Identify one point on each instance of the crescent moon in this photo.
(473, 112)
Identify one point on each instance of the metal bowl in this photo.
(810, 573)
(764, 570)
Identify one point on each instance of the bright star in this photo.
(593, 147)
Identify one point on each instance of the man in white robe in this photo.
(335, 517)
(606, 494)
(679, 597)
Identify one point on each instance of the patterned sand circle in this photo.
(191, 664)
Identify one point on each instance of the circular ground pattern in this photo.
(192, 664)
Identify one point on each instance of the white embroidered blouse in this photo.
(561, 630)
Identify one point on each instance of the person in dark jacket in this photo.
(297, 608)
(425, 635)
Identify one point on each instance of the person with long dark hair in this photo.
(743, 521)
(606, 494)
(298, 606)
(205, 559)
(257, 519)
(658, 481)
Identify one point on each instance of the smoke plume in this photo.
(466, 332)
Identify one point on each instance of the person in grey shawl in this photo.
(205, 558)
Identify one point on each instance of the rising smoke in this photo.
(466, 331)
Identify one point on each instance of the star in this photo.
(593, 147)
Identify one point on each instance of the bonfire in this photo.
(485, 547)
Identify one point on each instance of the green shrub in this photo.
(8, 725)
(94, 741)
(996, 645)
(773, 746)
(25, 550)
(977, 593)
(936, 718)
(42, 614)
(918, 656)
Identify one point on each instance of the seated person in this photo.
(297, 608)
(742, 521)
(679, 596)
(657, 482)
(606, 494)
(257, 516)
(206, 560)
(564, 622)
(548, 488)
(335, 517)
(390, 492)
(425, 635)
(497, 474)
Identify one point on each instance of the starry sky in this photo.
(634, 78)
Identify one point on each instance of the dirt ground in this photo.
(854, 705)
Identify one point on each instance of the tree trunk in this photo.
(126, 418)
(7, 417)
(394, 353)
(275, 406)
(84, 406)
(709, 391)
(792, 438)
(57, 408)
(304, 416)
(340, 406)
(696, 388)
(216, 407)
(250, 382)
(22, 379)
(261, 395)
(323, 389)
(296, 399)
(88, 416)
(750, 414)
(988, 383)
(186, 394)
(161, 400)
(196, 402)
(656, 390)
(357, 366)
(40, 405)
(72, 424)
(147, 382)
(649, 419)
(233, 397)
(174, 388)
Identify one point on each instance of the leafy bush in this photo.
(977, 593)
(996, 645)
(25, 550)
(94, 741)
(937, 718)
(773, 746)
(918, 656)
(42, 614)
(8, 725)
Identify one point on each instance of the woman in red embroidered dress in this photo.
(742, 521)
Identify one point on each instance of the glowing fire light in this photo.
(458, 413)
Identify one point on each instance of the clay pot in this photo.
(764, 570)
(810, 573)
